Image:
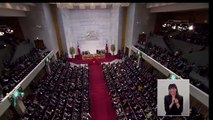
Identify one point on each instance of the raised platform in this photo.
(94, 60)
(91, 56)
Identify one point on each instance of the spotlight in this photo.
(5, 29)
(11, 31)
(1, 33)
(174, 27)
(180, 28)
(5, 45)
(191, 27)
(164, 25)
(168, 25)
(184, 28)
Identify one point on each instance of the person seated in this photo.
(86, 116)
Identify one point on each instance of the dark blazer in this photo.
(174, 110)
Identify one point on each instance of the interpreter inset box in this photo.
(173, 97)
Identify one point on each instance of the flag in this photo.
(106, 47)
(78, 48)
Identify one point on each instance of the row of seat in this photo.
(134, 91)
(173, 61)
(127, 100)
(14, 72)
(199, 38)
(63, 95)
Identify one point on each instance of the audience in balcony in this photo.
(173, 61)
(13, 73)
(198, 35)
(199, 38)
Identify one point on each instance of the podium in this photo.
(91, 56)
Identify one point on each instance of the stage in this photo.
(94, 60)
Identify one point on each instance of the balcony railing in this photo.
(194, 91)
(5, 103)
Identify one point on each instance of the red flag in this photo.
(79, 51)
(106, 48)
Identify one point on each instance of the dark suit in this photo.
(174, 110)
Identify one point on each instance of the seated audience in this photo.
(62, 95)
(134, 91)
(15, 72)
(173, 61)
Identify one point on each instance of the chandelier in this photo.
(4, 29)
(180, 25)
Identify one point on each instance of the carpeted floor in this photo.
(100, 101)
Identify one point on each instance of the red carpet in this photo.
(100, 101)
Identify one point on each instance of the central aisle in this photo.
(100, 101)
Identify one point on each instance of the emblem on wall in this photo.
(92, 35)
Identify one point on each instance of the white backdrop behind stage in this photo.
(91, 28)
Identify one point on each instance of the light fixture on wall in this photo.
(1, 33)
(179, 25)
(174, 27)
(5, 29)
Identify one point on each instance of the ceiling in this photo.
(20, 9)
(90, 5)
(15, 9)
(172, 7)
